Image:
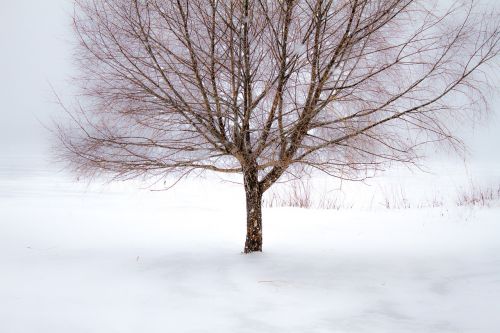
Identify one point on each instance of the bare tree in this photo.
(269, 87)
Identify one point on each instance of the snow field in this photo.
(114, 258)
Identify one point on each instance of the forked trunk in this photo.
(253, 192)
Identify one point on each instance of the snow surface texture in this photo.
(112, 258)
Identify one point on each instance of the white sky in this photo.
(35, 53)
(35, 44)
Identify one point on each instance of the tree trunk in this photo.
(253, 193)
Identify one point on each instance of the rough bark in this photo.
(253, 193)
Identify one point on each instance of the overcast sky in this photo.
(35, 44)
(35, 53)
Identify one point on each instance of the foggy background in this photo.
(36, 54)
(35, 44)
(79, 258)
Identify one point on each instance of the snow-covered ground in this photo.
(114, 258)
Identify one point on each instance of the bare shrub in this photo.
(482, 196)
(302, 194)
(396, 199)
(295, 194)
(435, 202)
(329, 202)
